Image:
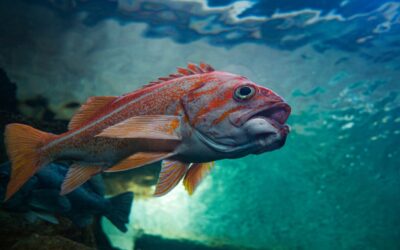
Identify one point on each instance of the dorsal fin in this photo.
(88, 109)
(191, 69)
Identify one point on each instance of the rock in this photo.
(137, 180)
(8, 92)
(17, 233)
(42, 242)
(40, 116)
(147, 241)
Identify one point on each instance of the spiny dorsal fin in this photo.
(88, 109)
(191, 69)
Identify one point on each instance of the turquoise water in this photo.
(336, 182)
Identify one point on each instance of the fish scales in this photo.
(187, 120)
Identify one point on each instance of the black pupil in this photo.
(245, 91)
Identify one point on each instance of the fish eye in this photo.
(244, 92)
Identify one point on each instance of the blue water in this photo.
(335, 184)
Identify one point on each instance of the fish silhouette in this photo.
(40, 198)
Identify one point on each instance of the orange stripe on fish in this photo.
(214, 104)
(226, 114)
(204, 92)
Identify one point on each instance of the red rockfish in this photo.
(186, 120)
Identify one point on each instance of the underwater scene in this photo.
(200, 124)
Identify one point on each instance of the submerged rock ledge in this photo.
(18, 233)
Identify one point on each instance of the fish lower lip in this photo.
(283, 131)
(261, 127)
(263, 141)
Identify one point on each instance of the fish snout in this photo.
(267, 126)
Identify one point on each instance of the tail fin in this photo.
(23, 143)
(120, 210)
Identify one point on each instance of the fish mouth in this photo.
(267, 127)
(276, 115)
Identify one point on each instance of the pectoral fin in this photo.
(32, 216)
(195, 175)
(76, 176)
(138, 160)
(171, 173)
(146, 127)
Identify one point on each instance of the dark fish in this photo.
(40, 198)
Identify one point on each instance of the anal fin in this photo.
(171, 173)
(76, 176)
(195, 175)
(138, 160)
